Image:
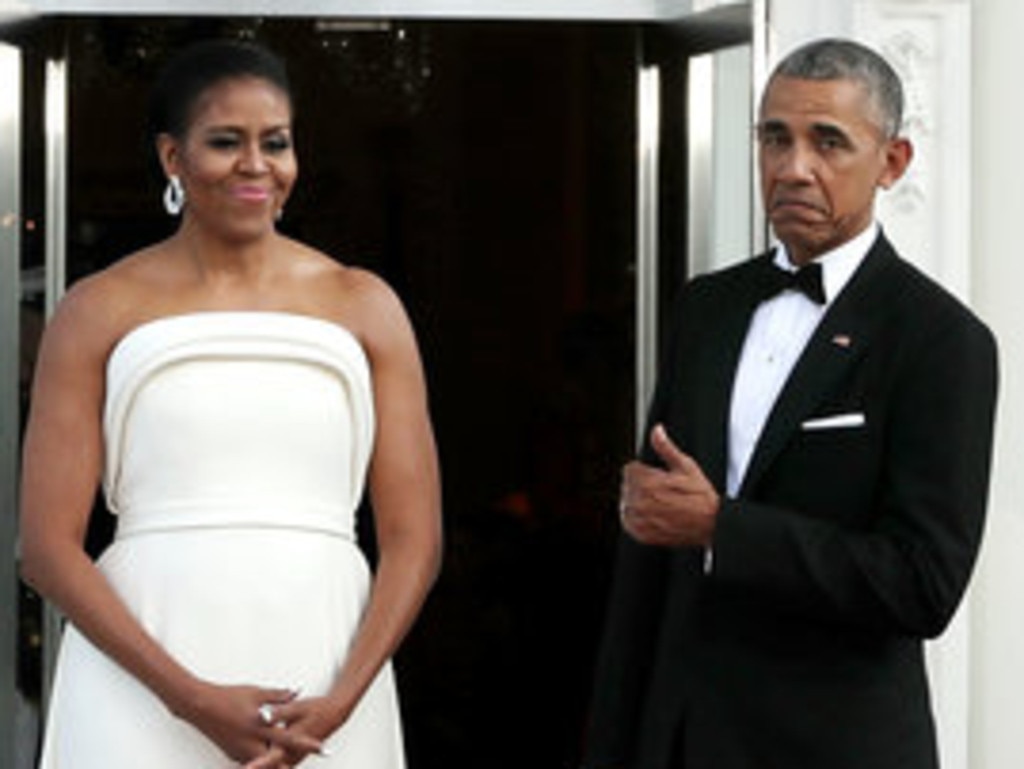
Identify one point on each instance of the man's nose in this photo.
(796, 163)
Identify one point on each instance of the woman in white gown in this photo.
(233, 390)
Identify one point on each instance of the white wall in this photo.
(997, 272)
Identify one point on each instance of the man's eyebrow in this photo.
(771, 125)
(830, 131)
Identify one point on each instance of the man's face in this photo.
(822, 155)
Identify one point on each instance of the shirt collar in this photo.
(839, 264)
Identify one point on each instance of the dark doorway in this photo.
(486, 170)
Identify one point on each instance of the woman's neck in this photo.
(219, 261)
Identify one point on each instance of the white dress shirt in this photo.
(779, 330)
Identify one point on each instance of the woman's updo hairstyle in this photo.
(194, 69)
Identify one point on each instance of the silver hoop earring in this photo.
(174, 196)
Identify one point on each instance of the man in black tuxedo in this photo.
(809, 504)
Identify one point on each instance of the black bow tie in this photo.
(807, 280)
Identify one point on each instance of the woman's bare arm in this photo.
(406, 499)
(62, 462)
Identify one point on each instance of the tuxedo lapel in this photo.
(718, 368)
(844, 335)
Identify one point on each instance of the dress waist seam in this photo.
(322, 519)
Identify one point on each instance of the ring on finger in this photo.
(266, 713)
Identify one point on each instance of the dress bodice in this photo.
(237, 419)
(237, 444)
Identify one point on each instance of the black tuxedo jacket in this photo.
(846, 546)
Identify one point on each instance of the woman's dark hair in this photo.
(194, 69)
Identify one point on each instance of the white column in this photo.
(997, 273)
(928, 216)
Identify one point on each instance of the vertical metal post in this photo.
(56, 180)
(56, 121)
(761, 45)
(10, 299)
(701, 138)
(648, 147)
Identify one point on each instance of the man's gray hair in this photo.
(839, 59)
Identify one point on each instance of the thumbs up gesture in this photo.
(673, 506)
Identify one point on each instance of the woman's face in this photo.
(237, 159)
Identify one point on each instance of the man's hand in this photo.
(673, 507)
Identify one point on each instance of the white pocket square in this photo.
(835, 422)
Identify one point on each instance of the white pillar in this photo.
(928, 217)
(997, 271)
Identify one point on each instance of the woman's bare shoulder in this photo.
(367, 286)
(344, 292)
(101, 307)
(368, 298)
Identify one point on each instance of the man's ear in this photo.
(167, 152)
(898, 154)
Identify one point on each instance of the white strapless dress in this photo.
(237, 447)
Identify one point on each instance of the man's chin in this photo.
(802, 239)
(797, 218)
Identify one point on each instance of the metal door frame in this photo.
(10, 300)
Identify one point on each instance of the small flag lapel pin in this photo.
(842, 340)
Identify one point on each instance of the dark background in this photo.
(487, 171)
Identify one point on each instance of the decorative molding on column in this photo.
(928, 216)
(928, 212)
